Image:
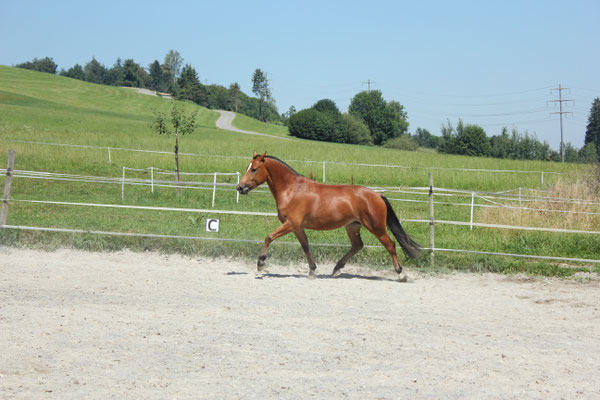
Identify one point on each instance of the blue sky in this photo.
(489, 63)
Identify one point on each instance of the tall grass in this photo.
(579, 211)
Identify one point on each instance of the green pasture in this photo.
(38, 107)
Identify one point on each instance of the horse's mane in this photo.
(282, 162)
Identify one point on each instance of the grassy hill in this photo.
(43, 108)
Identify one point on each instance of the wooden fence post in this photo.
(7, 186)
(431, 231)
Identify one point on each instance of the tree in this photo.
(75, 72)
(179, 124)
(46, 64)
(218, 97)
(156, 75)
(172, 63)
(592, 133)
(234, 90)
(588, 153)
(501, 144)
(115, 74)
(425, 139)
(190, 87)
(398, 118)
(95, 72)
(291, 111)
(133, 74)
(571, 153)
(311, 124)
(385, 120)
(354, 130)
(469, 140)
(260, 87)
(326, 106)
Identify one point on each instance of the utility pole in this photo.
(369, 83)
(560, 102)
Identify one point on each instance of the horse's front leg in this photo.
(281, 231)
(301, 235)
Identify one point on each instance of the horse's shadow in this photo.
(343, 275)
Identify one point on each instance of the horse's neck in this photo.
(280, 179)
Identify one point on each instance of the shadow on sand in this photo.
(325, 276)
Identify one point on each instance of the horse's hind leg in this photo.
(353, 231)
(390, 246)
(301, 235)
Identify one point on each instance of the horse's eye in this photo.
(253, 170)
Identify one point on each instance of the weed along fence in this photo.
(426, 199)
(321, 164)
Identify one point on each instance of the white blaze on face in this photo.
(248, 169)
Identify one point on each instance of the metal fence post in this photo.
(109, 160)
(237, 194)
(123, 185)
(323, 171)
(431, 218)
(152, 179)
(7, 186)
(472, 204)
(214, 188)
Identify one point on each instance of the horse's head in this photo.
(255, 175)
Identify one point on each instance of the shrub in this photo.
(311, 124)
(402, 142)
(354, 131)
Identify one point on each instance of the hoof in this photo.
(261, 262)
(336, 273)
(312, 275)
(402, 278)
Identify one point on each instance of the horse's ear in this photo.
(262, 158)
(255, 154)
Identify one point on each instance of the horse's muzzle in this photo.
(243, 189)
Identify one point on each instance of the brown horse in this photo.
(305, 204)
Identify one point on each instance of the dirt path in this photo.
(225, 122)
(123, 325)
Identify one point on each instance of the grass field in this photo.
(38, 107)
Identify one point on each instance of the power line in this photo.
(560, 102)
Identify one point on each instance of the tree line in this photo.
(372, 120)
(175, 78)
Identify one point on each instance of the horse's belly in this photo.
(325, 220)
(326, 225)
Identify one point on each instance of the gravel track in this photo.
(124, 325)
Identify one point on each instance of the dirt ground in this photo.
(77, 325)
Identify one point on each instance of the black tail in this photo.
(411, 248)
